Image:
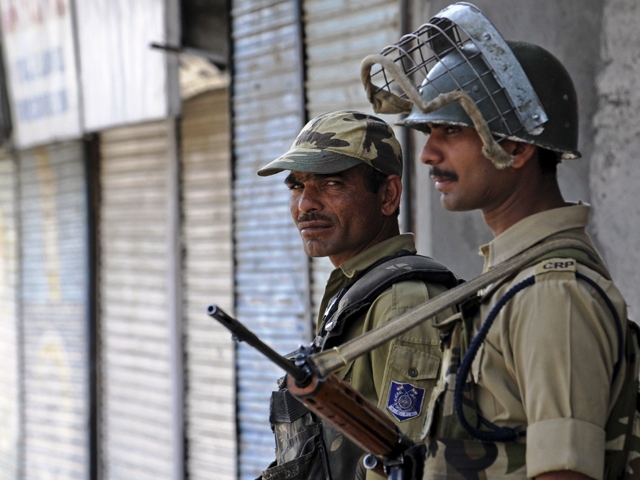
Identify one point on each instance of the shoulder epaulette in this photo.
(591, 261)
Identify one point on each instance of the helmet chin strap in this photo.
(385, 101)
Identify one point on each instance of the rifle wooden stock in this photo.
(362, 422)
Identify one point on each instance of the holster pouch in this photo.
(309, 449)
(300, 449)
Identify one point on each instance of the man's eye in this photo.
(452, 129)
(294, 186)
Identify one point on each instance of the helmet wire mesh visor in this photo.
(457, 69)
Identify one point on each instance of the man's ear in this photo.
(520, 151)
(390, 193)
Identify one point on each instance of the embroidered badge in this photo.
(405, 400)
(556, 265)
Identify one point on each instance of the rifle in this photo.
(335, 401)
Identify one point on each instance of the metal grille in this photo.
(9, 346)
(419, 52)
(136, 421)
(53, 242)
(272, 271)
(338, 34)
(460, 50)
(208, 277)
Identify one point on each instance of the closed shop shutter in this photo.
(53, 241)
(9, 347)
(272, 270)
(208, 278)
(135, 326)
(339, 34)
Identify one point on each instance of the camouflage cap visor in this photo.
(310, 161)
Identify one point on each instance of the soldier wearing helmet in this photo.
(533, 394)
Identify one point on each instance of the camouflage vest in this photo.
(458, 452)
(308, 448)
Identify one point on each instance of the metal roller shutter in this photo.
(208, 278)
(9, 346)
(53, 240)
(135, 317)
(271, 268)
(339, 34)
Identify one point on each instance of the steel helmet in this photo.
(512, 90)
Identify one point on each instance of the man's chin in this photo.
(447, 203)
(450, 205)
(314, 250)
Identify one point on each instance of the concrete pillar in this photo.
(615, 167)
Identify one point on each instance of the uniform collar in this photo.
(532, 230)
(351, 268)
(365, 259)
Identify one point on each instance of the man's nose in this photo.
(309, 200)
(430, 154)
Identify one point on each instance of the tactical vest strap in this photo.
(360, 293)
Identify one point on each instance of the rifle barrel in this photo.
(243, 334)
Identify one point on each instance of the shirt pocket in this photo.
(413, 363)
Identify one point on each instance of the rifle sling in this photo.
(336, 358)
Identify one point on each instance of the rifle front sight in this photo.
(241, 333)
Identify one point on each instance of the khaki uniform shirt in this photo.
(548, 359)
(413, 358)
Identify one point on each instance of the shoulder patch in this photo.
(405, 400)
(556, 265)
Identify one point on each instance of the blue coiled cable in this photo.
(499, 434)
(506, 434)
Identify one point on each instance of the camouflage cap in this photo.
(336, 141)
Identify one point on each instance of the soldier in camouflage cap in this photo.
(336, 141)
(345, 188)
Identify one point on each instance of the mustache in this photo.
(437, 172)
(312, 217)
